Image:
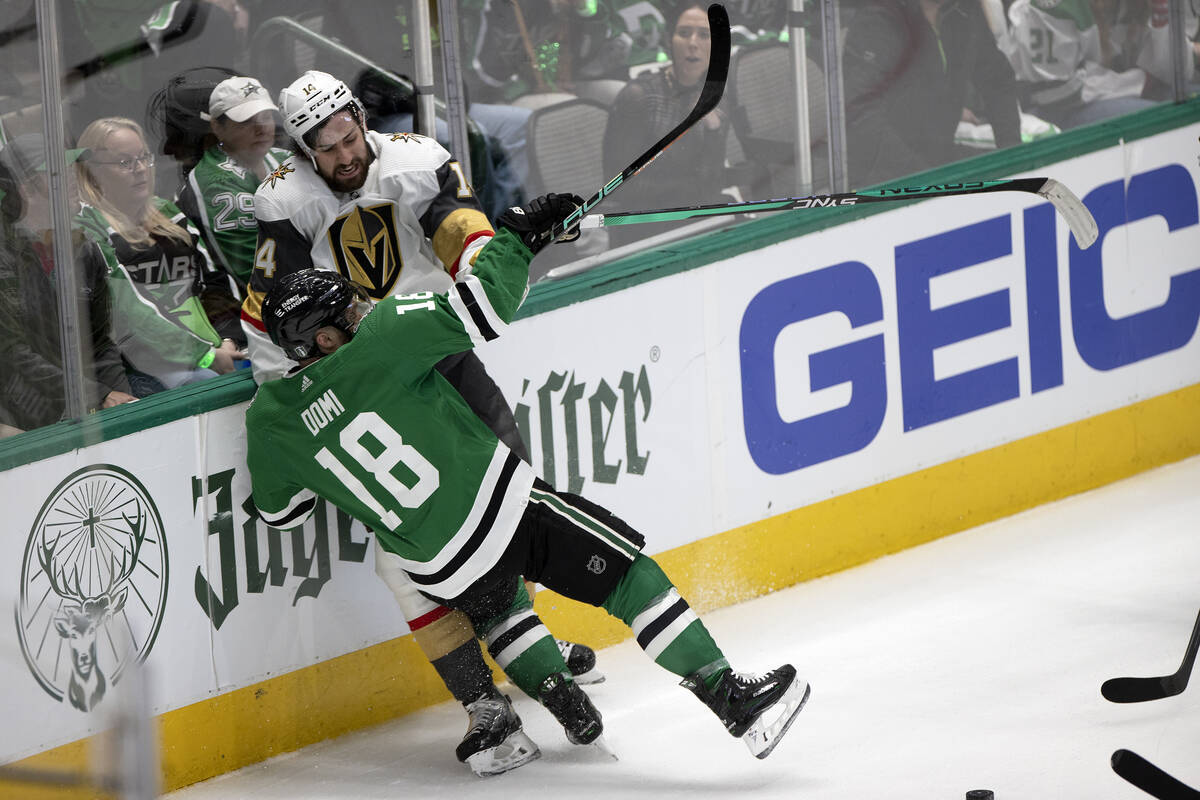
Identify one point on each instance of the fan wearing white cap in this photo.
(218, 195)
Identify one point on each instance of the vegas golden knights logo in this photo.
(364, 244)
(279, 174)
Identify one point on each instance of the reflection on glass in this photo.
(926, 83)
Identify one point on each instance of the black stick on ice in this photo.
(1138, 690)
(1073, 211)
(710, 95)
(1149, 778)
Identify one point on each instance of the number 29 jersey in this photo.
(377, 431)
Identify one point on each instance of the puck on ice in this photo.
(981, 794)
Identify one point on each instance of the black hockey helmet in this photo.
(305, 301)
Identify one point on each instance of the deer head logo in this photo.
(84, 611)
(94, 580)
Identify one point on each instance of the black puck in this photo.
(981, 794)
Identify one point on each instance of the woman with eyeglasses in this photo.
(157, 263)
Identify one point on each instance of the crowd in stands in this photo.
(172, 123)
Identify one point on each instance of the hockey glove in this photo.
(534, 221)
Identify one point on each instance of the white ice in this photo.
(973, 662)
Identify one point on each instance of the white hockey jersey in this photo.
(410, 227)
(1055, 47)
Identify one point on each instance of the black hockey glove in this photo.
(534, 221)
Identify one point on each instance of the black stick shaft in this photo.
(1139, 690)
(1149, 778)
(710, 95)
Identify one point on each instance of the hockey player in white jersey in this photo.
(393, 213)
(469, 517)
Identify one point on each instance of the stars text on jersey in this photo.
(160, 270)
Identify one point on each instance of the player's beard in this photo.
(343, 185)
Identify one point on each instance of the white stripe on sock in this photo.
(518, 646)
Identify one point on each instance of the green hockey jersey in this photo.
(158, 321)
(377, 431)
(218, 197)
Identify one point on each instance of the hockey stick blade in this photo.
(1073, 211)
(1149, 778)
(710, 95)
(1139, 690)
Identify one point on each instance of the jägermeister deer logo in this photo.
(93, 584)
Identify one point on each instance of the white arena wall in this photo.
(767, 404)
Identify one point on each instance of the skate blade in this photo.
(516, 750)
(764, 734)
(592, 676)
(600, 746)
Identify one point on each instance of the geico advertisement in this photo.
(834, 361)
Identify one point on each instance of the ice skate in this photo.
(571, 706)
(581, 660)
(494, 742)
(758, 710)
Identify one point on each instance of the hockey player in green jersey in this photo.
(394, 213)
(451, 506)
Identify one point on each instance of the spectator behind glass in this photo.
(156, 264)
(1080, 62)
(539, 46)
(32, 382)
(218, 195)
(692, 170)
(909, 67)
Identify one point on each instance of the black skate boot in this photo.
(581, 660)
(758, 710)
(571, 706)
(494, 742)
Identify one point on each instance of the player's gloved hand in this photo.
(534, 221)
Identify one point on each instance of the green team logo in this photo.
(93, 584)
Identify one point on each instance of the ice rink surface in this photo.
(973, 662)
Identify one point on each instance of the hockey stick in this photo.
(1149, 778)
(710, 95)
(1137, 690)
(1076, 214)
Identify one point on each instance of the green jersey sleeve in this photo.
(477, 309)
(281, 502)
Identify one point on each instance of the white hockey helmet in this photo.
(310, 100)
